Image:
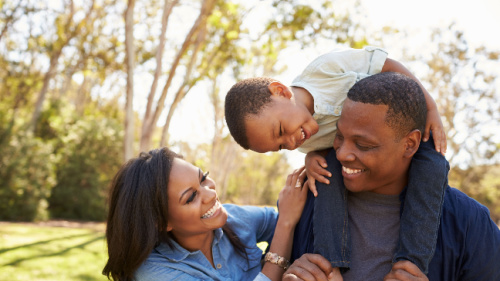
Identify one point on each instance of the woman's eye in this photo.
(191, 198)
(281, 130)
(204, 177)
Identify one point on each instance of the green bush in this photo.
(89, 156)
(26, 176)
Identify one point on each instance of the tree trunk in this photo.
(130, 65)
(206, 10)
(147, 129)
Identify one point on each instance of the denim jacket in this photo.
(251, 225)
(468, 244)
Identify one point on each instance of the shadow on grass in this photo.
(44, 242)
(14, 263)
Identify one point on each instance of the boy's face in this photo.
(371, 156)
(283, 124)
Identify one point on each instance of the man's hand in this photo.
(316, 170)
(435, 125)
(311, 267)
(405, 271)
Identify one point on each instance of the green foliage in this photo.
(481, 183)
(26, 175)
(90, 154)
(258, 179)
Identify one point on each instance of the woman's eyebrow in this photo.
(184, 193)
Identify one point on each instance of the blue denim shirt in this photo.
(251, 225)
(468, 244)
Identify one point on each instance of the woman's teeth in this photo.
(212, 210)
(303, 134)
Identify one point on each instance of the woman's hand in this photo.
(292, 199)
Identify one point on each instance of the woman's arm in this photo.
(433, 123)
(290, 204)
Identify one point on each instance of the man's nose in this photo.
(345, 153)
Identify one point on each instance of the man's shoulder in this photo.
(459, 206)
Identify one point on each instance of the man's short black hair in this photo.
(249, 96)
(407, 107)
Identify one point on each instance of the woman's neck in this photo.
(201, 242)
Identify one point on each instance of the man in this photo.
(379, 130)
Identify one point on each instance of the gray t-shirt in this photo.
(374, 227)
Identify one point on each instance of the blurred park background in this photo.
(87, 84)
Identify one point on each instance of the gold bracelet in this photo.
(277, 260)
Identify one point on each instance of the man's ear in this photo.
(280, 90)
(412, 143)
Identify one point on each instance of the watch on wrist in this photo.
(277, 260)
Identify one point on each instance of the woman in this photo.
(166, 222)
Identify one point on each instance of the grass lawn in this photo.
(46, 252)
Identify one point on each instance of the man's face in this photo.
(371, 156)
(283, 124)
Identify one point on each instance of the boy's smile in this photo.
(283, 124)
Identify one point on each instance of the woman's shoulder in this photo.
(246, 213)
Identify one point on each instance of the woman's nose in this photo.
(209, 192)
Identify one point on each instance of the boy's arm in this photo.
(433, 123)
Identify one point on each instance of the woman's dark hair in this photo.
(138, 212)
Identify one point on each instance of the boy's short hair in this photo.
(248, 96)
(407, 107)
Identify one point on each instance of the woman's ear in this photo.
(412, 143)
(169, 227)
(279, 89)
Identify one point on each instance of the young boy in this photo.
(264, 115)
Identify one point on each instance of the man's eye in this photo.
(281, 130)
(362, 147)
(191, 198)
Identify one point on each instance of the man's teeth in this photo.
(351, 171)
(303, 134)
(212, 210)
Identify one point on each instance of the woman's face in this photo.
(193, 205)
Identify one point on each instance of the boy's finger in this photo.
(323, 172)
(320, 178)
(444, 145)
(426, 133)
(312, 186)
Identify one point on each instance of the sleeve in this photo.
(261, 221)
(151, 272)
(482, 252)
(261, 277)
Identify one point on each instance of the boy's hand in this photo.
(435, 125)
(316, 170)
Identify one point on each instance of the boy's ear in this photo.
(412, 143)
(278, 89)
